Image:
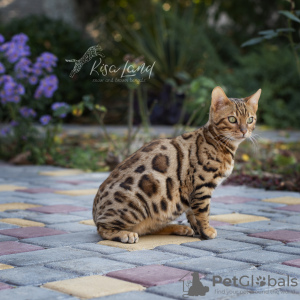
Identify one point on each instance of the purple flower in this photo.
(33, 80)
(45, 119)
(2, 39)
(55, 106)
(23, 68)
(2, 68)
(20, 38)
(14, 123)
(46, 61)
(5, 131)
(47, 87)
(27, 112)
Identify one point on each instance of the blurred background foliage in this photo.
(195, 44)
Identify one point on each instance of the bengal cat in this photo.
(168, 177)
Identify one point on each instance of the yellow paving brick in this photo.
(62, 173)
(5, 267)
(93, 286)
(8, 187)
(88, 222)
(16, 205)
(22, 222)
(284, 200)
(150, 242)
(238, 218)
(78, 192)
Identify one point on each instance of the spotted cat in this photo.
(168, 177)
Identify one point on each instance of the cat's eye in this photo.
(250, 120)
(232, 119)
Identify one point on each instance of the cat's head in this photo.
(233, 118)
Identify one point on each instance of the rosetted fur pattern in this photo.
(169, 177)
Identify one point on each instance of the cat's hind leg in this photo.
(122, 236)
(176, 229)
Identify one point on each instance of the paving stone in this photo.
(31, 232)
(5, 238)
(4, 225)
(106, 250)
(284, 200)
(133, 296)
(88, 222)
(270, 295)
(179, 291)
(4, 286)
(249, 280)
(145, 257)
(185, 251)
(237, 218)
(36, 190)
(89, 266)
(59, 209)
(221, 245)
(64, 239)
(150, 242)
(52, 218)
(293, 263)
(73, 227)
(261, 204)
(78, 192)
(291, 219)
(269, 225)
(232, 199)
(4, 267)
(47, 256)
(209, 264)
(223, 233)
(293, 208)
(22, 222)
(283, 269)
(9, 187)
(16, 205)
(279, 235)
(240, 229)
(72, 182)
(253, 240)
(32, 293)
(257, 257)
(294, 244)
(152, 275)
(32, 275)
(284, 249)
(86, 214)
(218, 223)
(11, 247)
(93, 286)
(61, 173)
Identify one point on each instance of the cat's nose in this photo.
(243, 130)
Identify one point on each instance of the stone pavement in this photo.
(49, 247)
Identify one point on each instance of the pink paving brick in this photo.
(30, 232)
(232, 199)
(219, 223)
(293, 263)
(57, 209)
(16, 247)
(152, 275)
(4, 286)
(295, 208)
(36, 191)
(285, 236)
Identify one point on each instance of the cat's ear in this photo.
(253, 100)
(218, 98)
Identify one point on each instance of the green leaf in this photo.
(264, 32)
(253, 41)
(289, 15)
(270, 36)
(285, 30)
(297, 12)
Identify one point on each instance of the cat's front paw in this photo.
(208, 233)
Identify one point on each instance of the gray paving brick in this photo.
(284, 249)
(254, 240)
(249, 280)
(133, 296)
(145, 257)
(294, 244)
(89, 266)
(282, 269)
(291, 219)
(73, 227)
(239, 229)
(222, 233)
(4, 238)
(87, 214)
(7, 226)
(269, 225)
(45, 256)
(185, 251)
(209, 264)
(175, 290)
(64, 239)
(32, 275)
(53, 218)
(269, 295)
(106, 250)
(221, 245)
(32, 293)
(258, 256)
